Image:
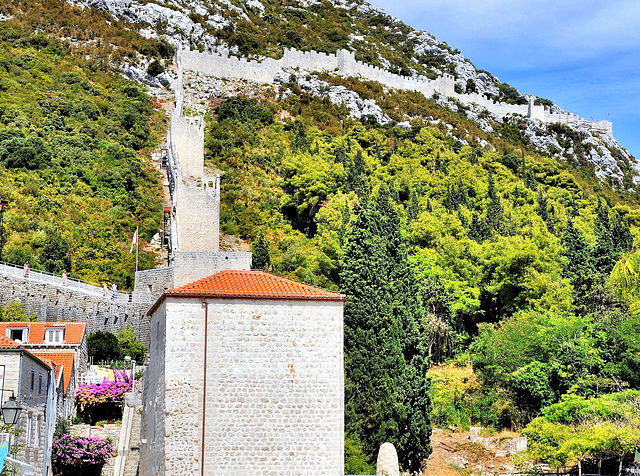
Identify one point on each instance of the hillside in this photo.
(500, 249)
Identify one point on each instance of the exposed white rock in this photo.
(357, 106)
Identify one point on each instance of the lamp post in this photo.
(3, 206)
(11, 414)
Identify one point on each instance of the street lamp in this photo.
(11, 414)
(11, 411)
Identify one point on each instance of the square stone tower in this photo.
(245, 377)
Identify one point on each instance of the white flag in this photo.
(135, 241)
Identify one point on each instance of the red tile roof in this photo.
(6, 343)
(252, 285)
(63, 361)
(73, 331)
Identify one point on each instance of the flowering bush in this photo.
(106, 391)
(70, 453)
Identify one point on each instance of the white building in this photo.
(245, 377)
(31, 379)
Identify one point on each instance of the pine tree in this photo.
(413, 208)
(579, 267)
(260, 256)
(604, 251)
(385, 364)
(479, 230)
(340, 156)
(300, 142)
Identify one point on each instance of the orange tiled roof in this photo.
(251, 285)
(63, 361)
(6, 343)
(73, 331)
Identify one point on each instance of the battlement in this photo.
(263, 71)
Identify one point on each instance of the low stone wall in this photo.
(500, 446)
(192, 266)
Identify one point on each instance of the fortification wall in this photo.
(344, 61)
(151, 283)
(191, 266)
(198, 212)
(187, 134)
(59, 303)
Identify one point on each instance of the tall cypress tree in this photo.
(578, 266)
(260, 256)
(356, 179)
(385, 362)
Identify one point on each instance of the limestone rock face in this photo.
(476, 90)
(357, 106)
(387, 464)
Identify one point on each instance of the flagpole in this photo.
(137, 241)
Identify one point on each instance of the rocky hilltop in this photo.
(255, 29)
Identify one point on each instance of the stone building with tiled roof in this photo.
(31, 379)
(245, 376)
(64, 343)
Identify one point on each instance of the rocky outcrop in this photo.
(194, 24)
(357, 106)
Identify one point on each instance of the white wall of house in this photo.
(274, 392)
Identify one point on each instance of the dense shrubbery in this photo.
(72, 150)
(512, 250)
(106, 346)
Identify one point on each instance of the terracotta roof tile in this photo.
(73, 331)
(63, 361)
(6, 343)
(251, 285)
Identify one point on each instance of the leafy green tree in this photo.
(129, 344)
(14, 312)
(103, 346)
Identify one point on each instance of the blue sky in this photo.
(583, 55)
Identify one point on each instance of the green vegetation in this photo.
(486, 285)
(510, 255)
(107, 346)
(14, 312)
(74, 141)
(386, 391)
(581, 429)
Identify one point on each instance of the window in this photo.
(54, 336)
(38, 431)
(40, 383)
(18, 334)
(29, 429)
(33, 379)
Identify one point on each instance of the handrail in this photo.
(74, 284)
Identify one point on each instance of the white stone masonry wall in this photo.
(344, 61)
(275, 391)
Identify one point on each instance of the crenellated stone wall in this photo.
(60, 303)
(344, 61)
